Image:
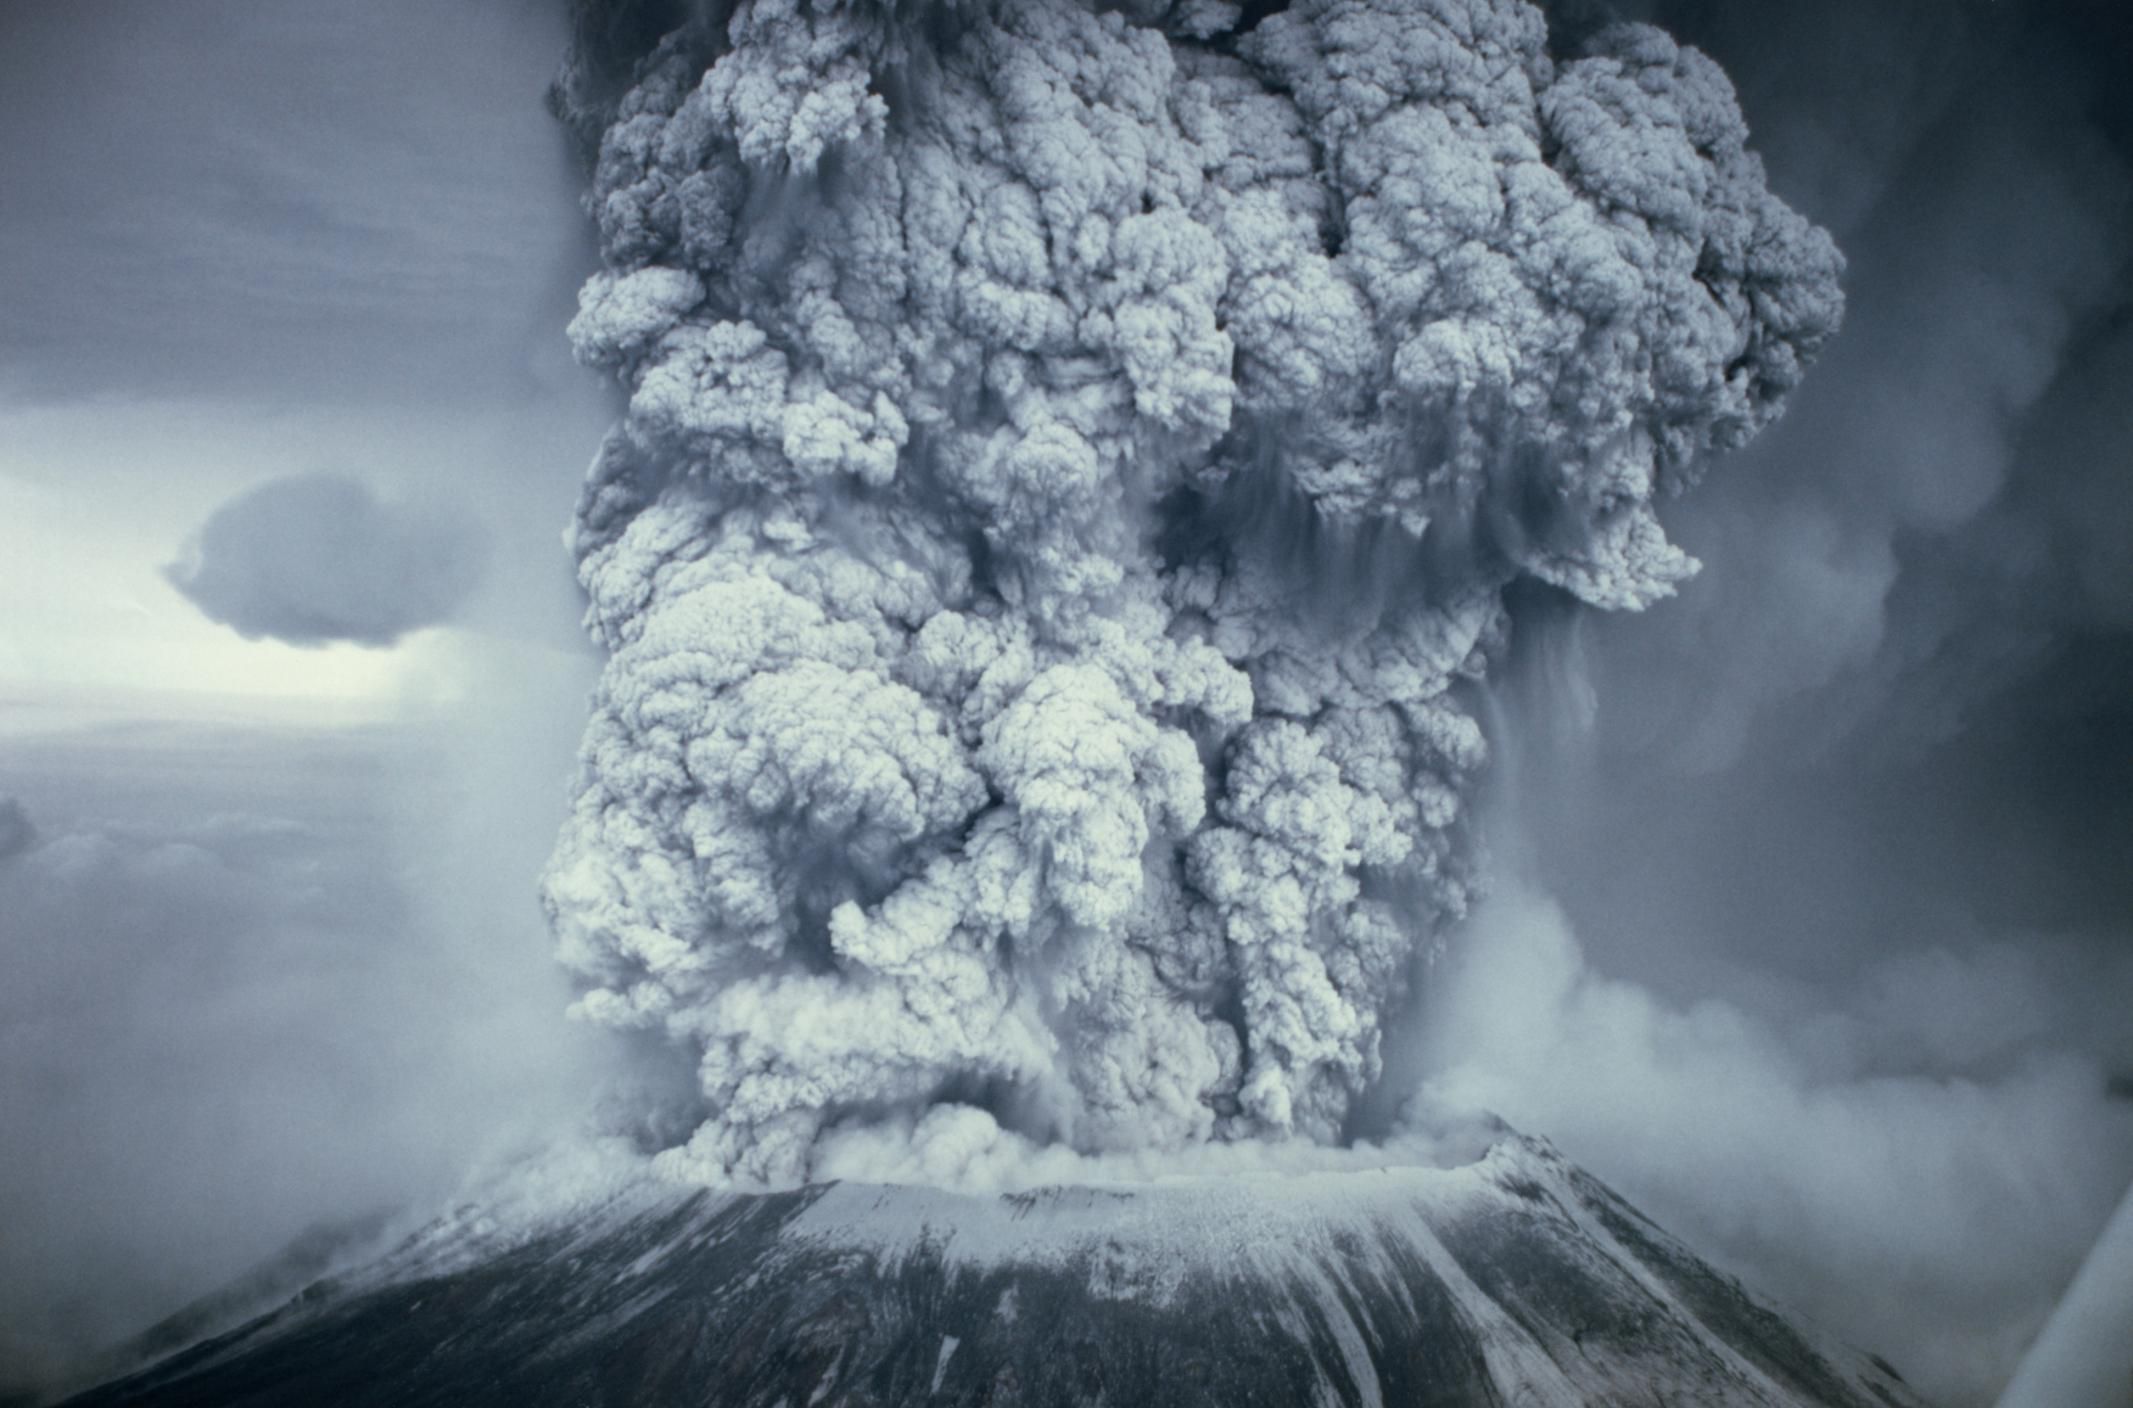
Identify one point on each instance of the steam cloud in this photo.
(1934, 1217)
(312, 559)
(1072, 466)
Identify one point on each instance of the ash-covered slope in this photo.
(1515, 1279)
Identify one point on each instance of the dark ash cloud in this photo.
(1928, 528)
(314, 559)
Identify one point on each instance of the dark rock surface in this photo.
(1513, 1280)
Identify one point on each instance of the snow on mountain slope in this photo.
(1515, 1279)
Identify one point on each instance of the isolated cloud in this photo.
(313, 559)
(1071, 467)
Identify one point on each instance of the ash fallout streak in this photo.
(1071, 470)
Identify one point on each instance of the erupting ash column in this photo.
(1072, 464)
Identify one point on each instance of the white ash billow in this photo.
(1072, 465)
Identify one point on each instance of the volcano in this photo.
(1515, 1278)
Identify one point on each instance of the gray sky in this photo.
(1817, 933)
(357, 205)
(243, 244)
(273, 956)
(1826, 911)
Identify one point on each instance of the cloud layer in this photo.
(251, 979)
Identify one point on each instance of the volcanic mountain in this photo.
(1512, 1279)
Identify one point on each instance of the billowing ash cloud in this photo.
(1071, 467)
(316, 558)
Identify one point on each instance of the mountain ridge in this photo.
(1515, 1279)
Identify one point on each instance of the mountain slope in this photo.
(1514, 1280)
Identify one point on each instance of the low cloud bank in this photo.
(1837, 1161)
(233, 1008)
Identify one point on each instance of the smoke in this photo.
(1921, 1165)
(313, 559)
(1071, 468)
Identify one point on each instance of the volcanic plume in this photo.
(1072, 466)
